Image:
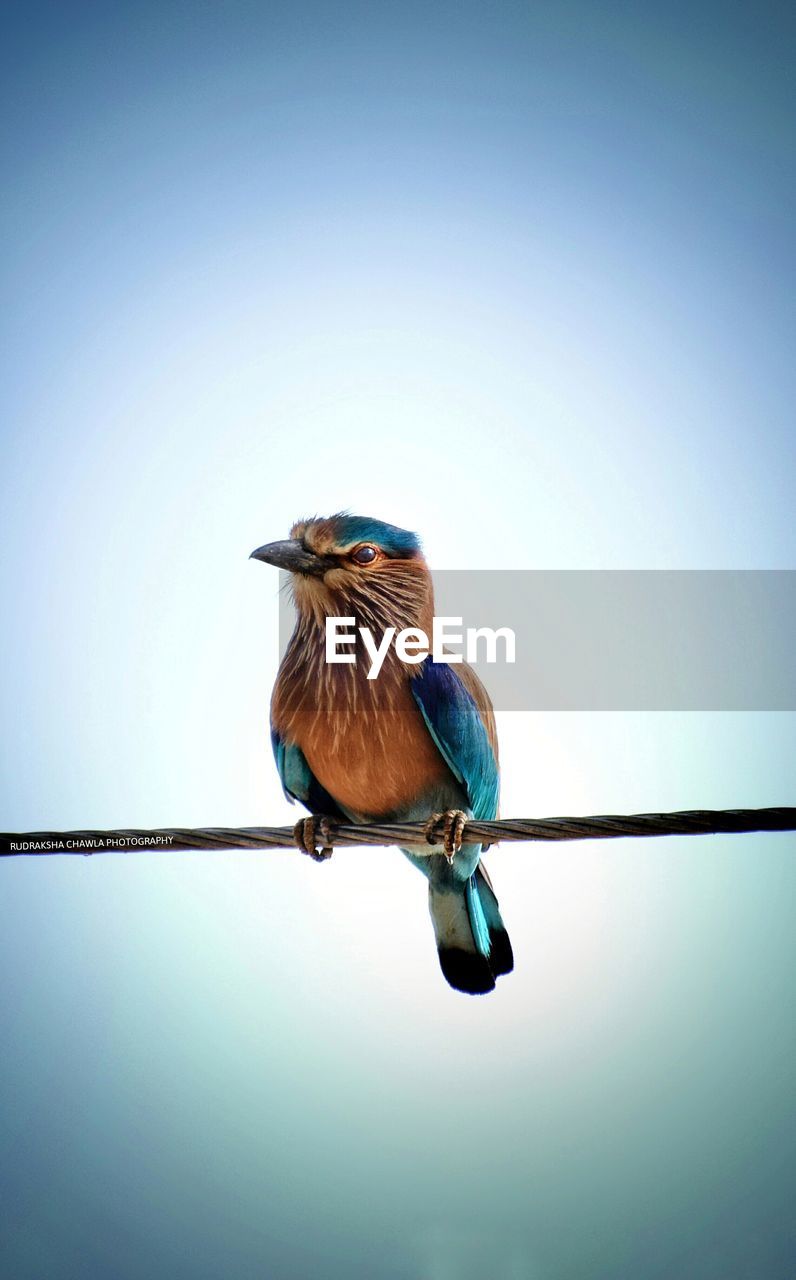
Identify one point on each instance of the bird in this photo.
(417, 743)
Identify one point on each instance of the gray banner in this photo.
(626, 640)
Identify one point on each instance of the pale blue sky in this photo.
(519, 278)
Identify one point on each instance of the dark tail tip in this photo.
(466, 970)
(501, 956)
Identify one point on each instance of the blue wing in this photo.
(457, 725)
(298, 780)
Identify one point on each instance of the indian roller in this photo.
(417, 741)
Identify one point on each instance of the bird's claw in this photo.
(453, 822)
(305, 834)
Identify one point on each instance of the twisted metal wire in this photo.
(413, 834)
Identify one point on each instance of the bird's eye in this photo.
(364, 555)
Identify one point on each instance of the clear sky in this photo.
(518, 277)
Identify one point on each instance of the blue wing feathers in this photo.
(455, 724)
(298, 780)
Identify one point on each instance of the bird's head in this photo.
(354, 564)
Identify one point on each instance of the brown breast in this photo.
(365, 741)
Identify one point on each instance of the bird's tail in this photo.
(472, 941)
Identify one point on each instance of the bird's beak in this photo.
(293, 556)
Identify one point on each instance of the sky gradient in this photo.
(518, 277)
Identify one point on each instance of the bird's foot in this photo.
(450, 827)
(306, 835)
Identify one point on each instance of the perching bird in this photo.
(416, 741)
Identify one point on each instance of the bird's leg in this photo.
(453, 824)
(305, 834)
